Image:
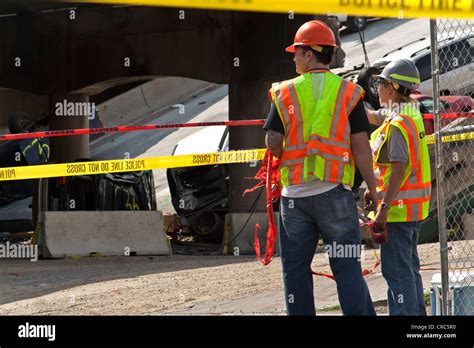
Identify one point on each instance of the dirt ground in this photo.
(144, 285)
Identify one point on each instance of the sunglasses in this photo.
(380, 81)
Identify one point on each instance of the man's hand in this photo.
(381, 218)
(274, 142)
(376, 117)
(371, 200)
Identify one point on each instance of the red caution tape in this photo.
(429, 269)
(365, 272)
(120, 129)
(449, 115)
(330, 276)
(269, 177)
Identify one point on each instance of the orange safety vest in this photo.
(314, 109)
(413, 199)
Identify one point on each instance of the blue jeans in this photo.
(333, 215)
(401, 269)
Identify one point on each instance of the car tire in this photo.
(355, 24)
(208, 225)
(19, 122)
(445, 92)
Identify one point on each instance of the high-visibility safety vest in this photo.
(35, 151)
(314, 109)
(413, 199)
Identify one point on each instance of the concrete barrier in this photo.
(166, 90)
(243, 242)
(147, 99)
(104, 233)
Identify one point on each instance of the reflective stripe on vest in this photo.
(412, 200)
(43, 149)
(314, 109)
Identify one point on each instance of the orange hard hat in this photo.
(314, 34)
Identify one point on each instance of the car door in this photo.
(457, 68)
(423, 63)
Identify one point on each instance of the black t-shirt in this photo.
(357, 120)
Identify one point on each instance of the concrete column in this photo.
(257, 60)
(246, 100)
(68, 112)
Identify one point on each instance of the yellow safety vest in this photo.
(314, 109)
(413, 199)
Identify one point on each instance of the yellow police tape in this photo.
(137, 164)
(450, 138)
(370, 8)
(129, 165)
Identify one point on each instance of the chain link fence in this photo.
(452, 45)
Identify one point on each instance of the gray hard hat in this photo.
(401, 71)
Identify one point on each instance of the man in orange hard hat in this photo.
(317, 126)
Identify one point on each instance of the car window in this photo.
(423, 63)
(451, 57)
(456, 55)
(427, 106)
